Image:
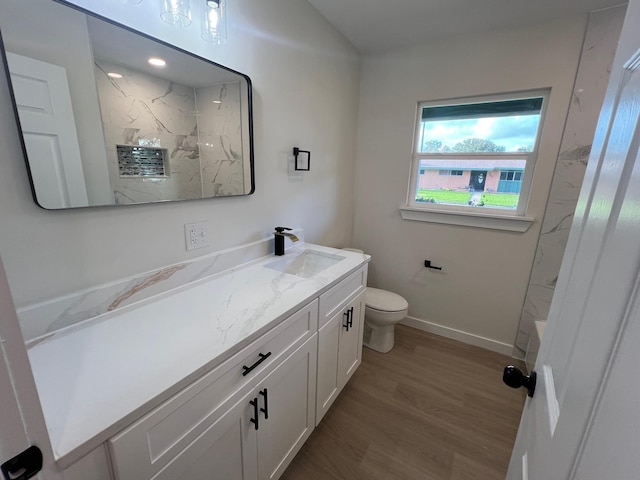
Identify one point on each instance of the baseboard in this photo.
(459, 335)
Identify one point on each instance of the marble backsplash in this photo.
(600, 43)
(43, 319)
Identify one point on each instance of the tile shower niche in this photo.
(137, 162)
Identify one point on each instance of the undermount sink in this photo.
(306, 264)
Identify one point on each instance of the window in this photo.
(476, 155)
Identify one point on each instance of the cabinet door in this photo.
(328, 339)
(350, 344)
(287, 410)
(225, 451)
(339, 353)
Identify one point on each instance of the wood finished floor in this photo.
(431, 409)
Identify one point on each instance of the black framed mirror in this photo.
(104, 124)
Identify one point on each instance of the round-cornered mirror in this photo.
(110, 116)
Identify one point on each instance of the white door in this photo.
(21, 420)
(46, 117)
(595, 308)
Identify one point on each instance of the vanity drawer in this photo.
(145, 447)
(336, 296)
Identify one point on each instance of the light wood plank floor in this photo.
(431, 409)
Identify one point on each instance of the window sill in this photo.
(476, 219)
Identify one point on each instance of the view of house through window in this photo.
(476, 153)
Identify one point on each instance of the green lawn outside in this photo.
(444, 196)
(500, 199)
(508, 200)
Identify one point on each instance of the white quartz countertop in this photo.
(98, 377)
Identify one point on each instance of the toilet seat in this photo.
(384, 300)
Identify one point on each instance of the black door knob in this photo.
(513, 377)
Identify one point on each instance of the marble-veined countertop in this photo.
(98, 377)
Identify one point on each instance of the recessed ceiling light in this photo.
(157, 62)
(216, 101)
(213, 3)
(114, 75)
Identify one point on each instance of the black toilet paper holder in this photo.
(427, 263)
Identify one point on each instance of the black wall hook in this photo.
(296, 152)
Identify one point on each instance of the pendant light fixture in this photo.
(176, 12)
(213, 16)
(214, 22)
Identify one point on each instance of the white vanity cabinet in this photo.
(235, 448)
(227, 425)
(339, 338)
(216, 381)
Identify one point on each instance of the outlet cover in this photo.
(196, 235)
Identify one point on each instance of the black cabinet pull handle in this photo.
(263, 357)
(254, 419)
(349, 314)
(265, 410)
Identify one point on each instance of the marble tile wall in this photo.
(43, 319)
(599, 47)
(219, 128)
(140, 109)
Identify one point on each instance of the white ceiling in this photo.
(375, 26)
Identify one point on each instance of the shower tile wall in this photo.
(140, 109)
(598, 51)
(219, 127)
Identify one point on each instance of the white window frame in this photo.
(484, 217)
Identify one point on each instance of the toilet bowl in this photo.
(382, 311)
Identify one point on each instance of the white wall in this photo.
(305, 79)
(481, 290)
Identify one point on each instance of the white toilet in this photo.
(383, 310)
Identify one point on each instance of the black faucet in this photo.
(279, 235)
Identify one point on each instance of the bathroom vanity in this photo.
(228, 374)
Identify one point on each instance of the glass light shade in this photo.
(214, 23)
(176, 12)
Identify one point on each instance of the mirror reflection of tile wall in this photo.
(220, 130)
(140, 109)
